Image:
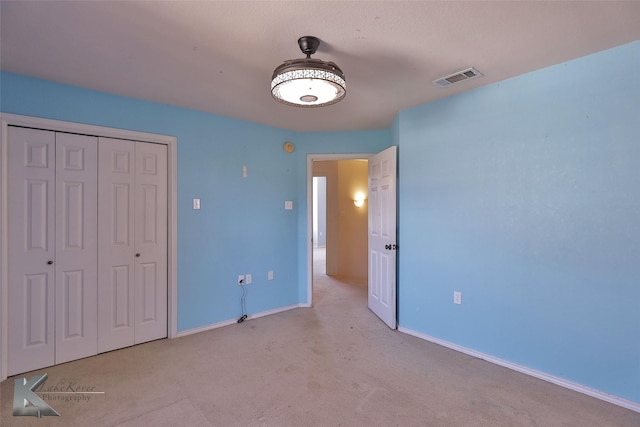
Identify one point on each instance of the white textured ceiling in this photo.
(219, 56)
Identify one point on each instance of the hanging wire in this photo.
(244, 311)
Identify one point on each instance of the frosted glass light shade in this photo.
(308, 83)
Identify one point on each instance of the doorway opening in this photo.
(319, 225)
(337, 228)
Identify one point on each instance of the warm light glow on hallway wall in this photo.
(359, 199)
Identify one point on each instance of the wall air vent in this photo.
(460, 76)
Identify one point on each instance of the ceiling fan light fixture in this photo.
(308, 82)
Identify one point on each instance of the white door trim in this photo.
(310, 159)
(61, 126)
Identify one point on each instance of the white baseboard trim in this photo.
(619, 401)
(232, 321)
(205, 328)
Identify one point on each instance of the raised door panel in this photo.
(76, 246)
(387, 233)
(151, 242)
(116, 279)
(374, 233)
(31, 238)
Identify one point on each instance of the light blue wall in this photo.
(525, 196)
(242, 226)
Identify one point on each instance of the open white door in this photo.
(382, 236)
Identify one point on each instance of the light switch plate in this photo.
(196, 203)
(288, 205)
(457, 297)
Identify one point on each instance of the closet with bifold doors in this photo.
(87, 245)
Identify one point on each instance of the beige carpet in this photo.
(334, 364)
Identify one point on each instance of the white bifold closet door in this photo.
(52, 213)
(87, 246)
(132, 249)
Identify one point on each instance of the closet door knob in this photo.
(49, 262)
(137, 255)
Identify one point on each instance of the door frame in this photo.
(310, 159)
(171, 142)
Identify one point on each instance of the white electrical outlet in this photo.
(457, 297)
(241, 279)
(247, 279)
(270, 275)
